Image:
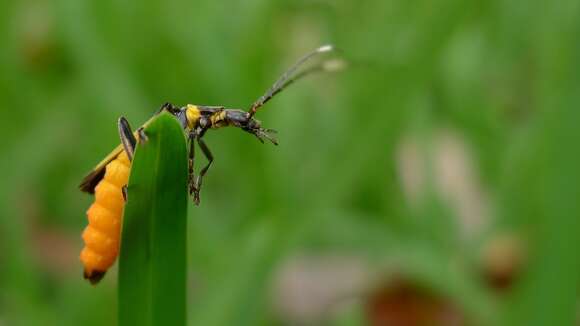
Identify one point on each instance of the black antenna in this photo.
(290, 77)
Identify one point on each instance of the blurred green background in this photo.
(435, 181)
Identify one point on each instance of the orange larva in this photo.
(102, 235)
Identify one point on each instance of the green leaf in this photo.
(152, 263)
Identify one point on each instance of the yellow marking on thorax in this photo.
(217, 119)
(192, 113)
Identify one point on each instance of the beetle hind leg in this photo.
(199, 179)
(190, 161)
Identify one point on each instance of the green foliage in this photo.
(500, 77)
(152, 261)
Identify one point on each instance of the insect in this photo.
(108, 180)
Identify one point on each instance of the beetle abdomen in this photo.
(102, 235)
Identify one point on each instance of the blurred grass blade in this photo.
(152, 264)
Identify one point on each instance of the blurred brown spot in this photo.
(56, 251)
(403, 303)
(454, 176)
(34, 27)
(309, 290)
(411, 169)
(503, 258)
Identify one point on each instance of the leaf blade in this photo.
(152, 262)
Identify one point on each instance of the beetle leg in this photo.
(124, 192)
(198, 180)
(127, 138)
(167, 107)
(142, 135)
(191, 157)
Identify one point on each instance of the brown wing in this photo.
(91, 180)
